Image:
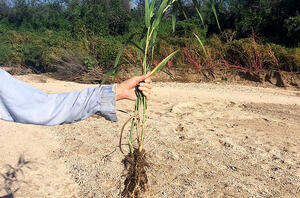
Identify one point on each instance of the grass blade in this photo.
(199, 40)
(160, 13)
(213, 7)
(174, 13)
(147, 13)
(152, 7)
(163, 63)
(200, 15)
(197, 7)
(137, 46)
(180, 6)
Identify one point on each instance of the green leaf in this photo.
(137, 46)
(199, 40)
(163, 63)
(152, 45)
(215, 13)
(174, 13)
(152, 7)
(147, 13)
(159, 13)
(197, 7)
(154, 36)
(200, 15)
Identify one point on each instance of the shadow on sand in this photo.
(11, 179)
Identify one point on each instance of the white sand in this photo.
(204, 140)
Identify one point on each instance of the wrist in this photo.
(119, 92)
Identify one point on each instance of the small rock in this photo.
(182, 137)
(243, 106)
(179, 128)
(275, 169)
(226, 144)
(233, 168)
(231, 104)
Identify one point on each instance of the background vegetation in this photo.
(68, 36)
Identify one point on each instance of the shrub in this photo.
(250, 55)
(288, 59)
(103, 50)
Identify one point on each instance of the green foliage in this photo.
(288, 59)
(89, 62)
(271, 19)
(39, 34)
(42, 51)
(79, 17)
(292, 25)
(103, 50)
(189, 27)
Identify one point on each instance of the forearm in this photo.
(20, 102)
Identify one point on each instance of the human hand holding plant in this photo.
(126, 89)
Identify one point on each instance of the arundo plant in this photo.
(135, 161)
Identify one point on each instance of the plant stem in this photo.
(130, 136)
(133, 122)
(143, 123)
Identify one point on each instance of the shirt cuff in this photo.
(107, 103)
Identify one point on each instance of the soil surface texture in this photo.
(202, 140)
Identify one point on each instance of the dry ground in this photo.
(203, 140)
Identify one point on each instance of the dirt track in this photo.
(204, 140)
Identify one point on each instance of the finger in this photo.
(148, 80)
(145, 89)
(146, 85)
(146, 94)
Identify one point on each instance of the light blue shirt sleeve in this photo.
(20, 102)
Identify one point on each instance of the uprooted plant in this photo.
(135, 162)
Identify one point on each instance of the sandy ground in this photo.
(203, 140)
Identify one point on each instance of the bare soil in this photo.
(202, 140)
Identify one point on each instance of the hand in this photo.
(126, 89)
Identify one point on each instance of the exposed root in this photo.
(136, 178)
(121, 134)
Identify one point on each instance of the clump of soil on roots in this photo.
(136, 178)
